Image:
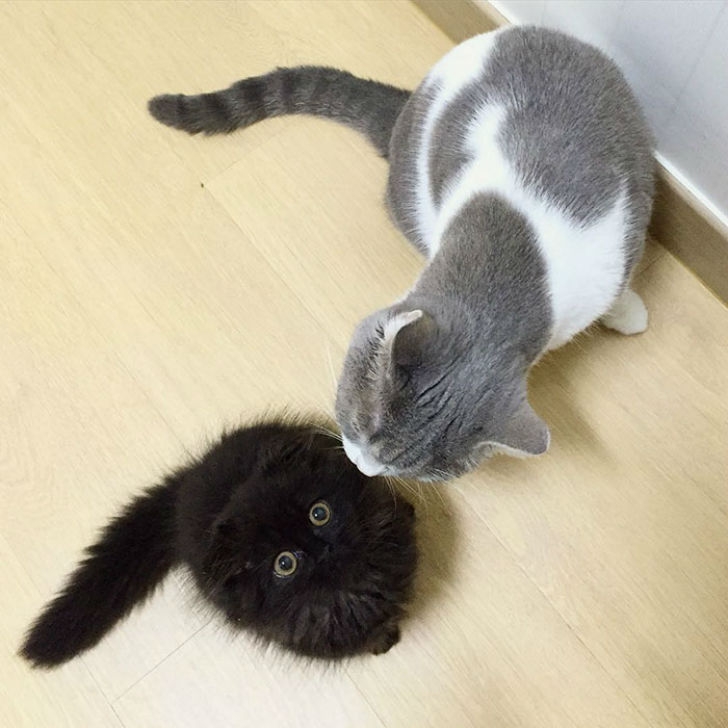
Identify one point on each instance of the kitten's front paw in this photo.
(385, 639)
(628, 315)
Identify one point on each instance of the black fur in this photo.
(369, 107)
(227, 516)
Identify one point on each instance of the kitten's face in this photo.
(315, 556)
(413, 400)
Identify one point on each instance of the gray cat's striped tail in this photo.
(367, 106)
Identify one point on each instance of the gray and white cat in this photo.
(522, 168)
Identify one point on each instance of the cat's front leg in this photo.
(628, 314)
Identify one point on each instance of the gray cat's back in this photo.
(572, 130)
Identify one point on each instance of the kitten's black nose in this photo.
(325, 553)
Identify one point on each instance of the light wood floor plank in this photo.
(157, 287)
(218, 680)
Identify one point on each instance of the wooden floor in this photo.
(156, 287)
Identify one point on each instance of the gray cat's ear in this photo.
(407, 334)
(526, 433)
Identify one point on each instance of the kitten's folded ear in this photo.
(225, 554)
(225, 529)
(283, 454)
(526, 433)
(408, 334)
(222, 541)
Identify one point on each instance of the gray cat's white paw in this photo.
(628, 315)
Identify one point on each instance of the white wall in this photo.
(675, 55)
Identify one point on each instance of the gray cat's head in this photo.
(418, 398)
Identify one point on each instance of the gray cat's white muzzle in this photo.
(367, 465)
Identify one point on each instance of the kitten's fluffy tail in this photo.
(134, 553)
(366, 106)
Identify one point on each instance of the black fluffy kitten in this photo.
(281, 533)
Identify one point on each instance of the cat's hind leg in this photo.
(628, 314)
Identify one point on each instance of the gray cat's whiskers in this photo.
(412, 489)
(331, 370)
(321, 430)
(390, 487)
(435, 475)
(436, 489)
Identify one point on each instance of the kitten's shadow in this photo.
(437, 542)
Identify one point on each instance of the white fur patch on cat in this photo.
(585, 264)
(366, 464)
(628, 314)
(451, 74)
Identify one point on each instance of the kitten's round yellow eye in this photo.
(320, 513)
(285, 563)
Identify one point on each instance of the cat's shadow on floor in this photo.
(555, 383)
(437, 542)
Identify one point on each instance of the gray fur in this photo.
(406, 140)
(575, 154)
(369, 107)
